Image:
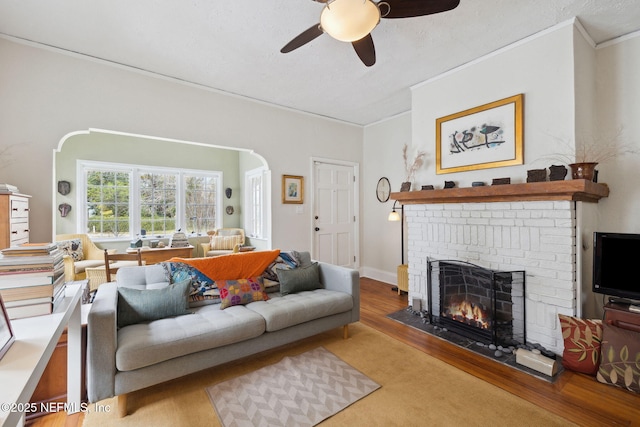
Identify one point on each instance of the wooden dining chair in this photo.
(111, 258)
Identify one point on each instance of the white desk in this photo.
(36, 337)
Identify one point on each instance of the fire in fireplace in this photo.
(467, 312)
(476, 302)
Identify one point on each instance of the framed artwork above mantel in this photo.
(483, 137)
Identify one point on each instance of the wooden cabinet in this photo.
(52, 386)
(619, 315)
(14, 219)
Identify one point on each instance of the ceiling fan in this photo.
(353, 20)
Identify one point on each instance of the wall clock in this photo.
(383, 189)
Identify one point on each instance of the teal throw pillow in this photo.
(137, 305)
(299, 279)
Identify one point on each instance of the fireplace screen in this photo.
(476, 302)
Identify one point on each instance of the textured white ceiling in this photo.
(234, 46)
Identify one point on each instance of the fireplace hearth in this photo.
(476, 302)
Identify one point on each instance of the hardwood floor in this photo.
(576, 397)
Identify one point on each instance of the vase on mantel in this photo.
(405, 186)
(584, 170)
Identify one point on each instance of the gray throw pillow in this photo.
(144, 305)
(299, 279)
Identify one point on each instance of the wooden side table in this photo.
(156, 255)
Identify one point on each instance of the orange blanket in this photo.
(241, 265)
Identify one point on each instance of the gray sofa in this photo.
(133, 357)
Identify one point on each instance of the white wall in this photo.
(541, 68)
(47, 94)
(382, 156)
(618, 108)
(567, 84)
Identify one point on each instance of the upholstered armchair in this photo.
(79, 253)
(223, 241)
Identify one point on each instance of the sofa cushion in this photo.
(241, 291)
(281, 312)
(136, 305)
(582, 339)
(146, 344)
(225, 242)
(620, 354)
(73, 248)
(299, 279)
(81, 266)
(219, 252)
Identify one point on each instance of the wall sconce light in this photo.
(395, 216)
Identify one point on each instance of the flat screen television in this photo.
(616, 264)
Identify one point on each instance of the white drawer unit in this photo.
(14, 219)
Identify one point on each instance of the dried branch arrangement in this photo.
(411, 168)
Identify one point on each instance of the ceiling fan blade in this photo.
(365, 50)
(303, 38)
(411, 8)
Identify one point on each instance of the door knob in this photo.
(317, 229)
(316, 216)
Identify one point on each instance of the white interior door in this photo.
(335, 213)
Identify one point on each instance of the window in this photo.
(161, 200)
(201, 194)
(158, 203)
(107, 202)
(254, 221)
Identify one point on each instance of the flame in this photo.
(469, 313)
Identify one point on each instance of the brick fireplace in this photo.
(530, 227)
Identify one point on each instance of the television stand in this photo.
(613, 300)
(623, 316)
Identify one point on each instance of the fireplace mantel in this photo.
(579, 190)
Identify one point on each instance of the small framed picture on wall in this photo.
(292, 189)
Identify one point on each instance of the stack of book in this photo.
(179, 240)
(31, 279)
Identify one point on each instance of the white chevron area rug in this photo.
(297, 391)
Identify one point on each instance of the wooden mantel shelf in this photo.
(579, 190)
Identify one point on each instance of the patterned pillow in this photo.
(284, 261)
(620, 365)
(582, 339)
(203, 290)
(225, 242)
(241, 291)
(73, 248)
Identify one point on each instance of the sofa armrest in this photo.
(69, 268)
(102, 341)
(206, 247)
(342, 279)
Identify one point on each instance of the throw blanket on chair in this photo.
(241, 265)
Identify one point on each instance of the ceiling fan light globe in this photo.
(349, 20)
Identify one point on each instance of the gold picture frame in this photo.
(488, 136)
(6, 333)
(292, 189)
